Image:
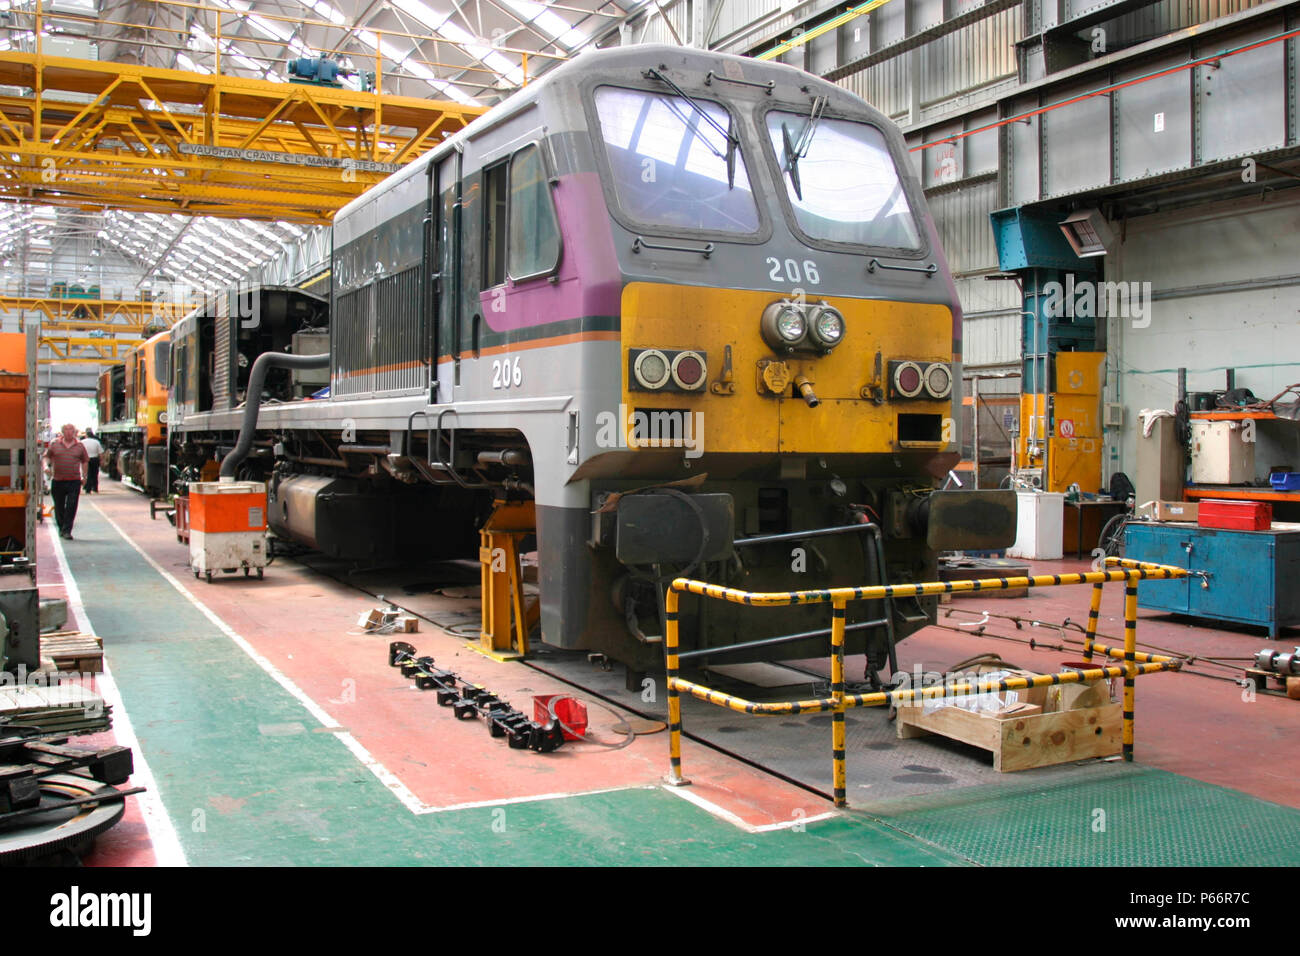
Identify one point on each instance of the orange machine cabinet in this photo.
(20, 461)
(227, 522)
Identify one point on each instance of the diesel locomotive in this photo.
(132, 400)
(690, 308)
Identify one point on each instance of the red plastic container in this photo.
(571, 712)
(1235, 515)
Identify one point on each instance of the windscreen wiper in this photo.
(732, 141)
(793, 151)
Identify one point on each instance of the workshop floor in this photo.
(269, 730)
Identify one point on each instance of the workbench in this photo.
(1252, 575)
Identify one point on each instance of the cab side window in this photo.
(521, 232)
(534, 231)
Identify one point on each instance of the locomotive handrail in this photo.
(639, 243)
(449, 465)
(873, 264)
(766, 87)
(1134, 663)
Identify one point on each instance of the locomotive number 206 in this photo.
(506, 373)
(792, 270)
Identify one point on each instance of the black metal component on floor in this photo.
(469, 701)
(55, 798)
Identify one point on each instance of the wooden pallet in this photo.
(1283, 683)
(1021, 741)
(74, 651)
(67, 709)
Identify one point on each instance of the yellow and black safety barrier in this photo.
(1134, 662)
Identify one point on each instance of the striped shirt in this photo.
(66, 459)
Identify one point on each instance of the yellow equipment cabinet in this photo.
(1061, 432)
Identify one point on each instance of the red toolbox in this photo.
(1235, 515)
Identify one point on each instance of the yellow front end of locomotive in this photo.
(151, 388)
(759, 399)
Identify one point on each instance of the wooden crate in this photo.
(1020, 742)
(74, 651)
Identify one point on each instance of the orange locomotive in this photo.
(133, 416)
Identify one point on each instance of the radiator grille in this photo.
(224, 365)
(379, 337)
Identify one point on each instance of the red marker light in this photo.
(688, 370)
(907, 379)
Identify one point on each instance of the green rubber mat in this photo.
(1126, 816)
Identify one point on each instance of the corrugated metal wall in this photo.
(971, 57)
(886, 86)
(951, 67)
(1169, 15)
(990, 341)
(654, 30)
(738, 14)
(962, 217)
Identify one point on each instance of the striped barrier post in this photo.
(1094, 611)
(838, 747)
(1130, 664)
(671, 603)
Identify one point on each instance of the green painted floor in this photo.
(1124, 815)
(248, 777)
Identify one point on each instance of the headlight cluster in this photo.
(791, 326)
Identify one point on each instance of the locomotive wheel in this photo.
(71, 828)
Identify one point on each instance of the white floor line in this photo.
(704, 803)
(533, 799)
(385, 776)
(166, 846)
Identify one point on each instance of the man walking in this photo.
(68, 461)
(94, 449)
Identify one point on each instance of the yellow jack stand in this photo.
(502, 581)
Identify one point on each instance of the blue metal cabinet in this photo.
(1254, 576)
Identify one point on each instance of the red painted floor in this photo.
(304, 624)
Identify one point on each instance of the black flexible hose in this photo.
(256, 379)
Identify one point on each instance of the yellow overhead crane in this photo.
(147, 139)
(90, 331)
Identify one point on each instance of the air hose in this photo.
(256, 380)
